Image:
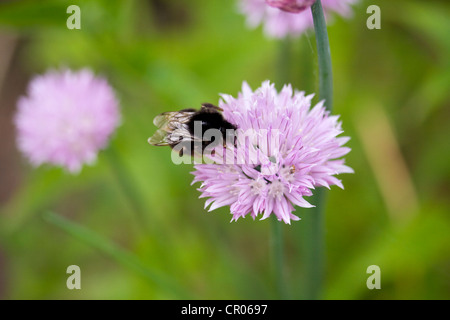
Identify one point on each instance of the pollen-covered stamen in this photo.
(276, 189)
(258, 186)
(287, 173)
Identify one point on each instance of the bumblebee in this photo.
(184, 130)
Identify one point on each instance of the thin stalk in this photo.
(276, 245)
(128, 187)
(323, 55)
(284, 68)
(315, 235)
(313, 245)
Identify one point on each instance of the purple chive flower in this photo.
(294, 6)
(66, 118)
(290, 149)
(280, 21)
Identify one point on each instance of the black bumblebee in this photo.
(182, 129)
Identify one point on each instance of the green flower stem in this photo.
(284, 68)
(323, 55)
(276, 244)
(314, 248)
(121, 256)
(128, 187)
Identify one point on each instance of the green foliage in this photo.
(183, 53)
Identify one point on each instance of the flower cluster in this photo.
(66, 118)
(288, 17)
(286, 166)
(294, 6)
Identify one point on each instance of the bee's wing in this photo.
(164, 138)
(169, 127)
(168, 120)
(159, 138)
(162, 120)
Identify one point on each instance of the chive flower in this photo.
(284, 148)
(66, 118)
(281, 18)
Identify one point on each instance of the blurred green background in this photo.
(392, 92)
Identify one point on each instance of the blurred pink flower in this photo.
(66, 118)
(278, 23)
(294, 6)
(293, 149)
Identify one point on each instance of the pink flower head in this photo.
(280, 21)
(281, 168)
(66, 118)
(294, 6)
